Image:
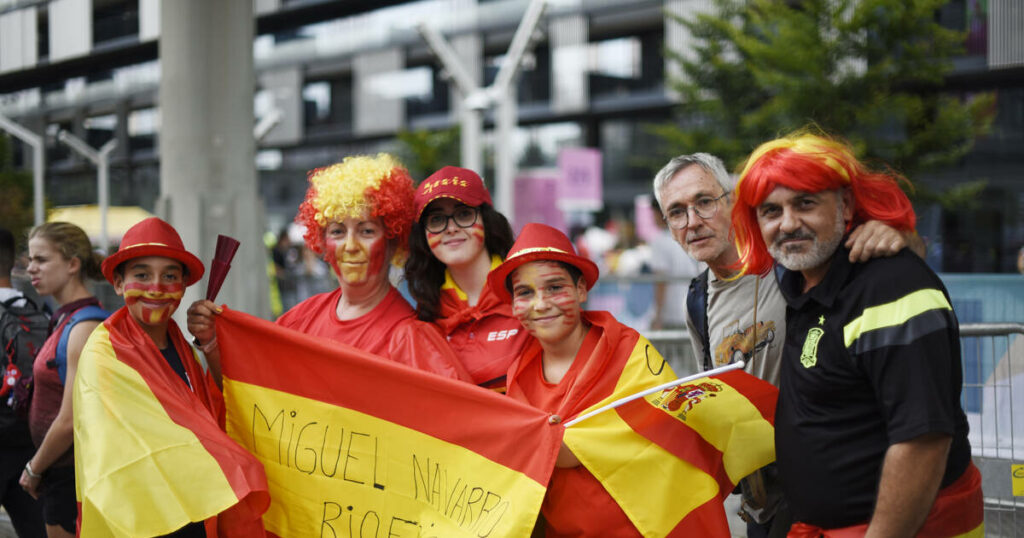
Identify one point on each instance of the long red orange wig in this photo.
(812, 163)
(378, 186)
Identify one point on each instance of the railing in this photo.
(993, 396)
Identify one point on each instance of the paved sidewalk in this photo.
(6, 530)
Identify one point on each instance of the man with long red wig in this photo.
(869, 433)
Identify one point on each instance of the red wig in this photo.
(377, 186)
(812, 163)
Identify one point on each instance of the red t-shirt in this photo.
(371, 332)
(485, 337)
(576, 503)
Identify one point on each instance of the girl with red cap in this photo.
(456, 239)
(60, 259)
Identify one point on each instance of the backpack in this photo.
(86, 313)
(23, 329)
(697, 308)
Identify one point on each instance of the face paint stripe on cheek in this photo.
(477, 231)
(433, 240)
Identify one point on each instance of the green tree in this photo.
(424, 152)
(16, 213)
(871, 71)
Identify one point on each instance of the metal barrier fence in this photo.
(993, 398)
(993, 359)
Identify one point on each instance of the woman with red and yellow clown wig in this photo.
(812, 163)
(357, 215)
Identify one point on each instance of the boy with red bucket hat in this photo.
(151, 455)
(630, 471)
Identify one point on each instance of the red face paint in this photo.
(357, 250)
(476, 231)
(153, 303)
(331, 249)
(433, 240)
(545, 301)
(459, 246)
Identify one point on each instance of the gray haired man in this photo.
(731, 319)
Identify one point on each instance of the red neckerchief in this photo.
(456, 312)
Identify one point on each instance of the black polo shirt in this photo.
(871, 358)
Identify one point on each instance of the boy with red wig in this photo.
(870, 436)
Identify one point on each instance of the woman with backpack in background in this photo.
(60, 259)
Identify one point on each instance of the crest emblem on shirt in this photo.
(680, 400)
(809, 354)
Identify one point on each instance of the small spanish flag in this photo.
(669, 458)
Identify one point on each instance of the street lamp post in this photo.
(101, 159)
(36, 141)
(476, 100)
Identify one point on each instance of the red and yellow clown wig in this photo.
(811, 163)
(359, 185)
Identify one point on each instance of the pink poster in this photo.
(646, 229)
(580, 188)
(536, 194)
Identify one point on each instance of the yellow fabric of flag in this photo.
(339, 472)
(356, 445)
(140, 472)
(669, 458)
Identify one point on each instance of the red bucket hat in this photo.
(462, 184)
(540, 242)
(153, 237)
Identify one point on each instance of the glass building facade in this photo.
(348, 77)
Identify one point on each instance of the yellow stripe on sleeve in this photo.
(895, 313)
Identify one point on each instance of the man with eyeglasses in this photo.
(731, 319)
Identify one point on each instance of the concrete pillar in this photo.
(70, 28)
(149, 19)
(285, 85)
(678, 38)
(569, 58)
(470, 50)
(208, 180)
(18, 47)
(374, 111)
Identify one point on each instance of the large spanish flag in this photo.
(670, 458)
(355, 445)
(150, 453)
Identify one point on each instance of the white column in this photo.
(568, 35)
(18, 47)
(208, 180)
(374, 112)
(70, 28)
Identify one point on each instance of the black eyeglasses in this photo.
(705, 207)
(464, 217)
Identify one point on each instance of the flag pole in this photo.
(720, 370)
